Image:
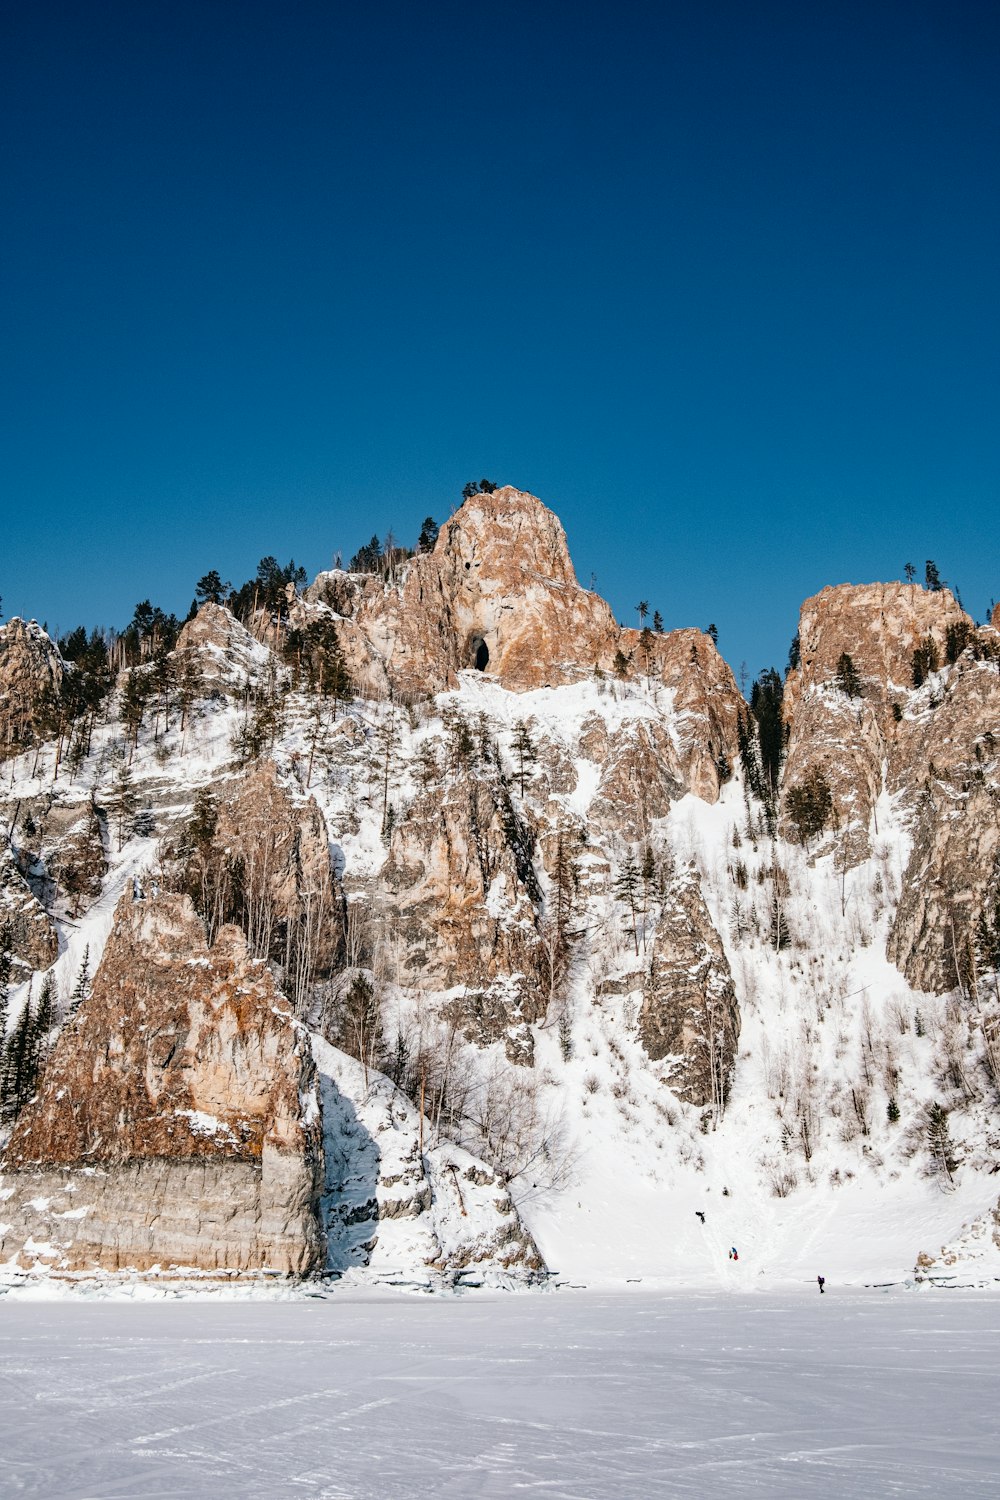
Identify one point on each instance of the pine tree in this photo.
(134, 698)
(428, 535)
(910, 572)
(848, 680)
(810, 804)
(779, 935)
(45, 1016)
(210, 589)
(925, 660)
(794, 654)
(932, 577)
(657, 622)
(81, 988)
(5, 967)
(21, 1062)
(626, 890)
(122, 801)
(524, 750)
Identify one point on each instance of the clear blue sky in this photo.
(719, 282)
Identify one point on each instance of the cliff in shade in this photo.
(429, 926)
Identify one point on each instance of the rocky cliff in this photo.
(499, 594)
(31, 674)
(857, 646)
(177, 1123)
(689, 1017)
(588, 970)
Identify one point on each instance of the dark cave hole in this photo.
(480, 653)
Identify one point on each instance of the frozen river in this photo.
(567, 1394)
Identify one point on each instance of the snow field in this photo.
(577, 1396)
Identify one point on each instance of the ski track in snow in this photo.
(582, 1396)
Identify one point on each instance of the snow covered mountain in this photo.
(430, 926)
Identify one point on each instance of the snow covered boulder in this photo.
(389, 1211)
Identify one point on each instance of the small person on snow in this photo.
(821, 1280)
(734, 1254)
(699, 1215)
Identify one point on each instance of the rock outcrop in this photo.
(26, 928)
(499, 593)
(176, 1124)
(466, 899)
(954, 867)
(31, 674)
(845, 728)
(75, 859)
(221, 653)
(263, 848)
(433, 1214)
(689, 1014)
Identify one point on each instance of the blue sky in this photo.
(718, 282)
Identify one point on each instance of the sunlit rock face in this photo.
(176, 1123)
(689, 1015)
(499, 594)
(848, 736)
(31, 674)
(221, 653)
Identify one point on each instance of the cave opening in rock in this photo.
(480, 653)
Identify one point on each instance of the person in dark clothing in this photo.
(700, 1215)
(822, 1282)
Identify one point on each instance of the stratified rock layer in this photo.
(177, 1115)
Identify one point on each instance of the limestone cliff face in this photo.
(946, 764)
(31, 674)
(953, 866)
(850, 737)
(640, 774)
(689, 1012)
(268, 858)
(282, 839)
(183, 1073)
(933, 746)
(499, 586)
(464, 890)
(499, 593)
(75, 858)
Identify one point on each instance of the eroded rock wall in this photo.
(31, 674)
(178, 1108)
(689, 1014)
